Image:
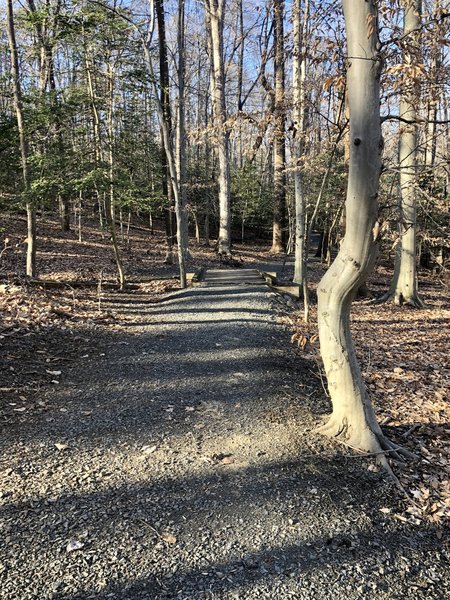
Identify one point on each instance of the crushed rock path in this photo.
(177, 460)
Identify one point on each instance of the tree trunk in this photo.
(183, 234)
(279, 148)
(299, 78)
(206, 227)
(168, 148)
(24, 145)
(110, 197)
(165, 101)
(215, 23)
(353, 420)
(404, 287)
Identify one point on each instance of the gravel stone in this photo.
(190, 470)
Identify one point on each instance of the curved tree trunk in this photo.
(404, 287)
(353, 420)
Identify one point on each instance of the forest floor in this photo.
(160, 443)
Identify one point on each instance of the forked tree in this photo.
(353, 418)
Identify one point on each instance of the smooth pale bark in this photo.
(404, 286)
(436, 56)
(299, 79)
(353, 420)
(215, 23)
(279, 146)
(24, 145)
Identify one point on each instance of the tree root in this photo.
(367, 442)
(399, 300)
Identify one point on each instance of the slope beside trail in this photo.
(177, 459)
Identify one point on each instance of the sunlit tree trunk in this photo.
(24, 145)
(215, 23)
(279, 148)
(299, 80)
(404, 286)
(353, 420)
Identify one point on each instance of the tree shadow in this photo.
(272, 525)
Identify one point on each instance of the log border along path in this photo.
(178, 460)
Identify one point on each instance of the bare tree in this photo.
(181, 125)
(353, 419)
(404, 286)
(214, 14)
(24, 144)
(279, 148)
(167, 138)
(300, 28)
(164, 80)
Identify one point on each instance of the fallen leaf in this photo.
(169, 538)
(223, 459)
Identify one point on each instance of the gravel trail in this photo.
(176, 459)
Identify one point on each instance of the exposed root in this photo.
(379, 447)
(367, 442)
(398, 299)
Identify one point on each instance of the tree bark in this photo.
(110, 197)
(165, 101)
(404, 286)
(215, 22)
(299, 79)
(24, 144)
(279, 147)
(183, 237)
(353, 420)
(169, 151)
